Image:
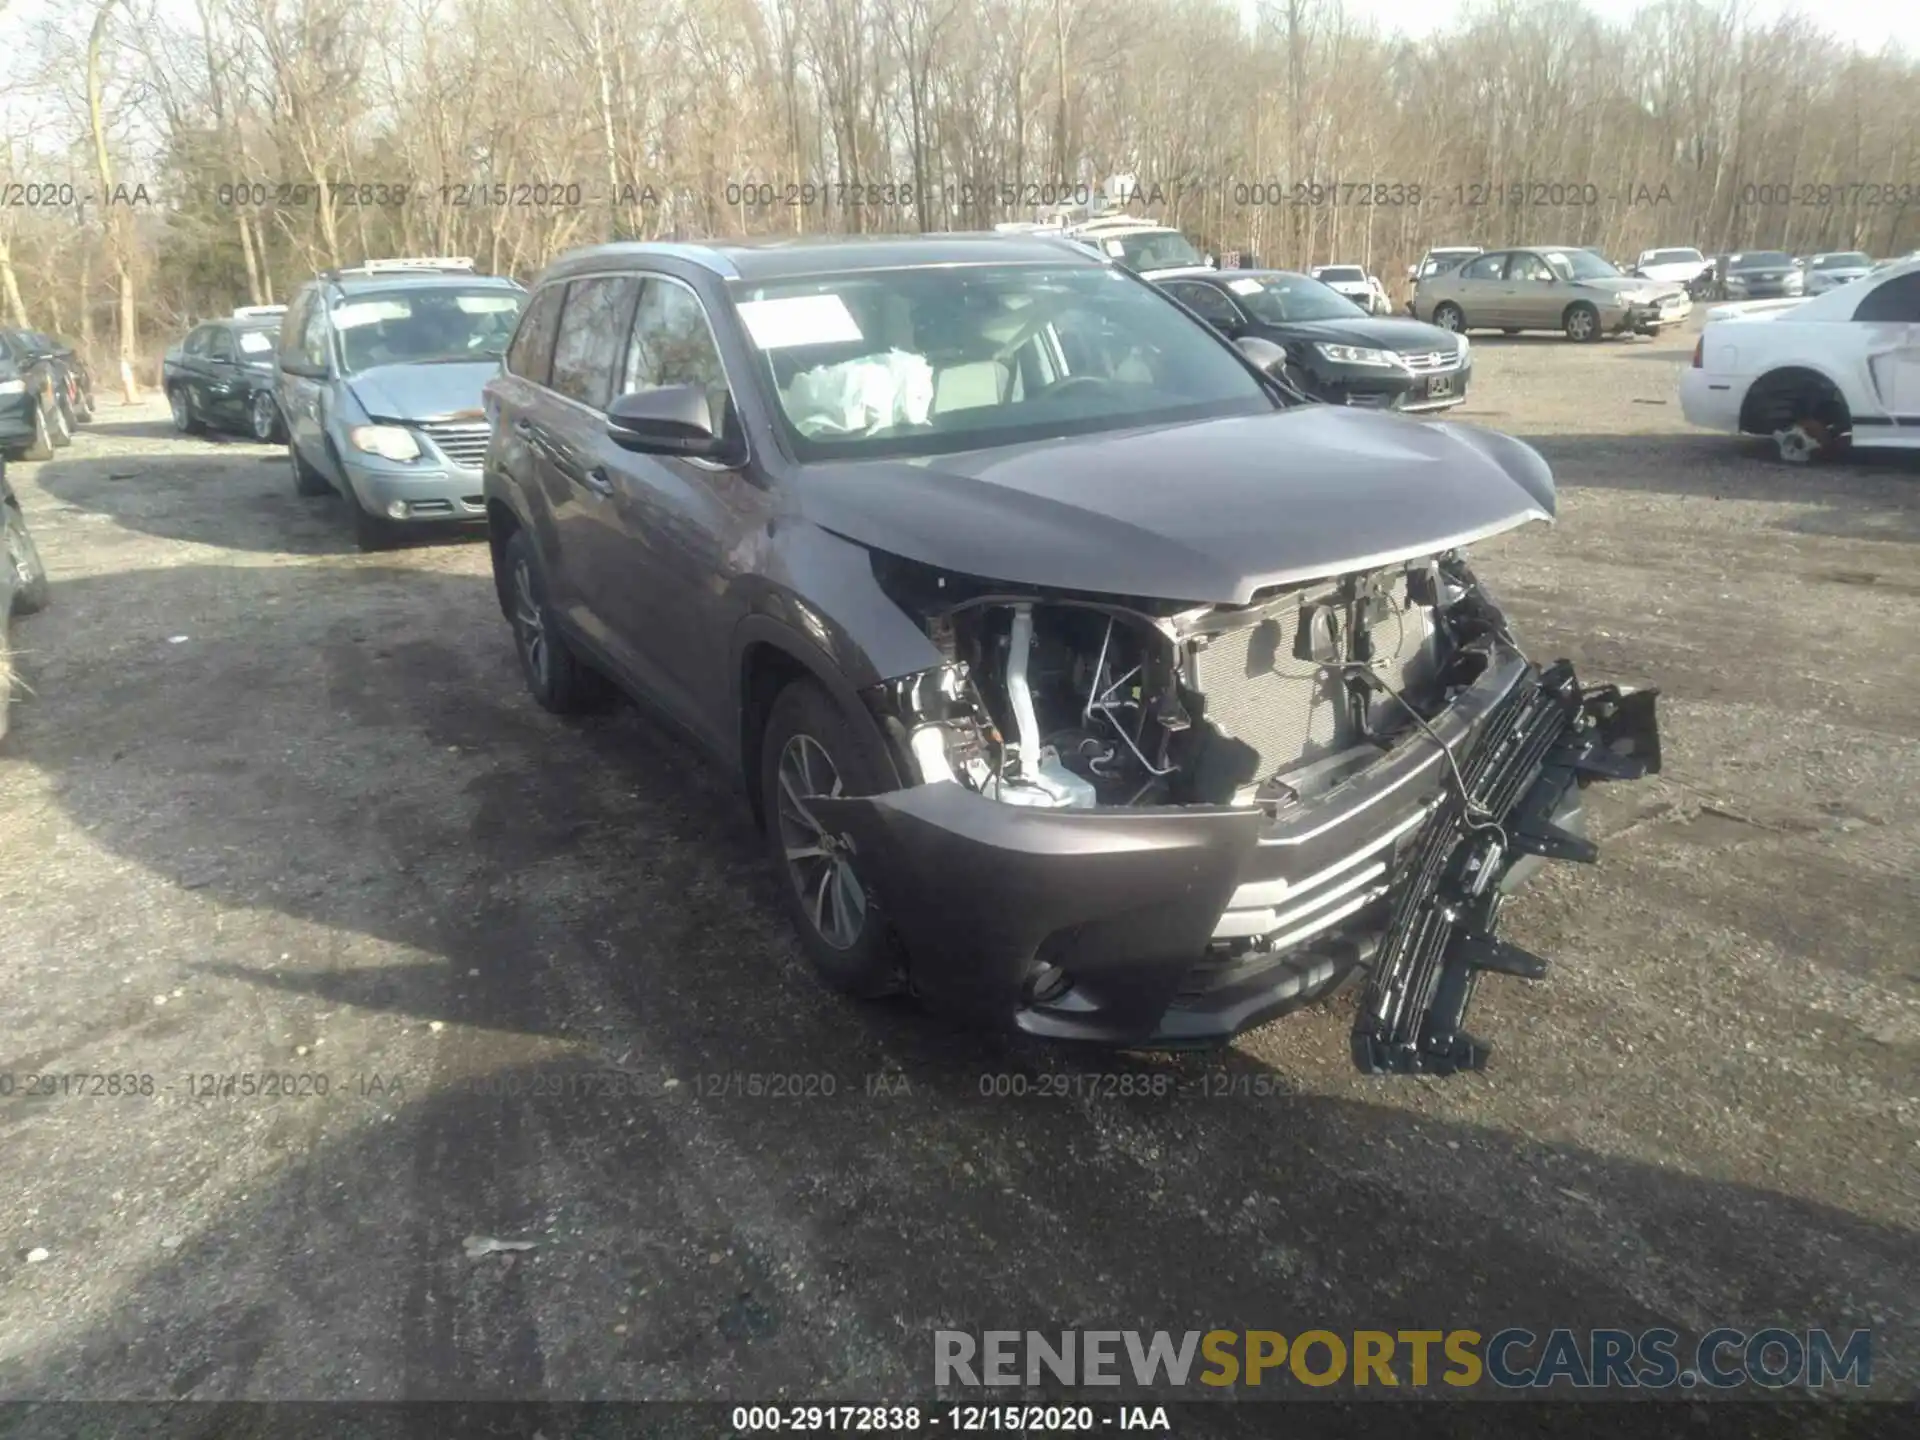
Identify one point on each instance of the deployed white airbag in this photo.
(857, 397)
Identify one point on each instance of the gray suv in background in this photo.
(380, 368)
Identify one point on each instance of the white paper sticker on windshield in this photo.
(1554, 257)
(1114, 247)
(368, 312)
(799, 320)
(486, 304)
(1245, 287)
(256, 342)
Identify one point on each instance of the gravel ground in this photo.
(275, 806)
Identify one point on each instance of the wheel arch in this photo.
(1781, 380)
(769, 656)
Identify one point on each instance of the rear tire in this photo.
(1449, 316)
(60, 426)
(1582, 323)
(557, 678)
(810, 749)
(31, 589)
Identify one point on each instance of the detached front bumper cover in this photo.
(1543, 742)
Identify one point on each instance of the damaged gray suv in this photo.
(1082, 676)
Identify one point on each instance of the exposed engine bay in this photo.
(1060, 701)
(1231, 810)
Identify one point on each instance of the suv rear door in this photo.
(305, 343)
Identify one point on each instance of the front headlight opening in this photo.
(1358, 355)
(389, 442)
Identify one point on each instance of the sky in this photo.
(1869, 24)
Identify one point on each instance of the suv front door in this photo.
(217, 378)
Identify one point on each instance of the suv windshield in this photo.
(1762, 260)
(936, 360)
(1851, 260)
(1278, 299)
(1578, 265)
(424, 327)
(1676, 257)
(1150, 249)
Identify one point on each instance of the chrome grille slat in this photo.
(462, 442)
(1431, 361)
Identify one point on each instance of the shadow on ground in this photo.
(586, 913)
(233, 494)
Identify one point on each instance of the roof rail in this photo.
(414, 262)
(248, 312)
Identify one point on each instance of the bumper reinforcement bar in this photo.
(1547, 739)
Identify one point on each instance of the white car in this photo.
(1816, 374)
(1680, 265)
(1149, 250)
(1831, 271)
(1363, 289)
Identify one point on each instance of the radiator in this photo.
(1293, 712)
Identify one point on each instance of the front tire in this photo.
(1582, 323)
(1449, 316)
(306, 479)
(557, 678)
(370, 532)
(186, 417)
(263, 418)
(31, 589)
(41, 447)
(811, 751)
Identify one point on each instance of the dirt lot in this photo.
(277, 806)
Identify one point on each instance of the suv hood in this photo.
(413, 394)
(1205, 513)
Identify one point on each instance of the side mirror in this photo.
(303, 369)
(668, 420)
(1263, 353)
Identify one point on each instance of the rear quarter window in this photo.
(530, 355)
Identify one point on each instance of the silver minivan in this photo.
(380, 370)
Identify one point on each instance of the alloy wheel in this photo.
(1579, 325)
(263, 416)
(819, 864)
(529, 623)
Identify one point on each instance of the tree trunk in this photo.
(119, 217)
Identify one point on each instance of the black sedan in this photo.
(1335, 351)
(23, 583)
(222, 376)
(34, 418)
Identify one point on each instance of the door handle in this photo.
(598, 481)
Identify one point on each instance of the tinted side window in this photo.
(1895, 302)
(593, 326)
(196, 342)
(219, 345)
(672, 344)
(531, 352)
(1487, 267)
(1211, 305)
